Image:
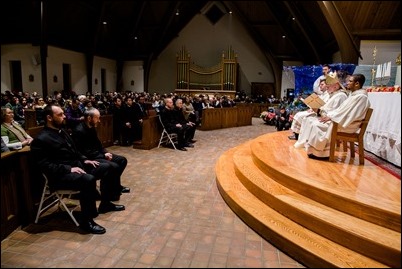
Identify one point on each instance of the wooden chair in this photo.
(351, 138)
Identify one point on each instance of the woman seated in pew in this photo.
(12, 132)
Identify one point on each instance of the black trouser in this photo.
(181, 132)
(118, 163)
(109, 176)
(86, 184)
(137, 131)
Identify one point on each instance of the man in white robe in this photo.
(315, 133)
(333, 96)
(316, 86)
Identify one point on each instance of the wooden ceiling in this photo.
(306, 31)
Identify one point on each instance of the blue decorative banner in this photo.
(306, 75)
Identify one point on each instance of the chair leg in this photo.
(70, 212)
(332, 147)
(41, 204)
(361, 153)
(352, 149)
(160, 140)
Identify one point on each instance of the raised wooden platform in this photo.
(322, 214)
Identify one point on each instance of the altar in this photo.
(383, 134)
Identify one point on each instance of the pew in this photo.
(227, 117)
(151, 132)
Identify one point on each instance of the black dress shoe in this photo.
(105, 207)
(182, 148)
(92, 227)
(125, 189)
(193, 140)
(292, 137)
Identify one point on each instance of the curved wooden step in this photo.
(371, 240)
(364, 191)
(304, 245)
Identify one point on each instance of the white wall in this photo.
(205, 43)
(23, 53)
(111, 76)
(133, 71)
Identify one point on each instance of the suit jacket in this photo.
(170, 117)
(55, 152)
(87, 142)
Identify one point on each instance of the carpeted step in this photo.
(371, 240)
(306, 246)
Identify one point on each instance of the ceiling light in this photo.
(104, 22)
(177, 13)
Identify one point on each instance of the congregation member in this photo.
(129, 117)
(117, 111)
(140, 113)
(315, 132)
(88, 143)
(12, 133)
(282, 119)
(169, 117)
(336, 95)
(66, 168)
(182, 119)
(74, 115)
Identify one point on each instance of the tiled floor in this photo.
(174, 217)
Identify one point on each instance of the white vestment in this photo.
(315, 135)
(333, 101)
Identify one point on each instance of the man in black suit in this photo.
(140, 113)
(88, 143)
(172, 123)
(66, 168)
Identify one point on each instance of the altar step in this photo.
(322, 214)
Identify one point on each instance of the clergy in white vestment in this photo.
(316, 86)
(333, 96)
(315, 133)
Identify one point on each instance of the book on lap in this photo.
(314, 101)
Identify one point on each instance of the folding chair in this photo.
(166, 137)
(58, 196)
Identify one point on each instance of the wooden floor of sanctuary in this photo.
(323, 214)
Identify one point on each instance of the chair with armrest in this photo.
(51, 197)
(352, 138)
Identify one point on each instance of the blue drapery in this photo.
(306, 75)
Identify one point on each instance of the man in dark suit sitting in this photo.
(66, 168)
(88, 143)
(169, 116)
